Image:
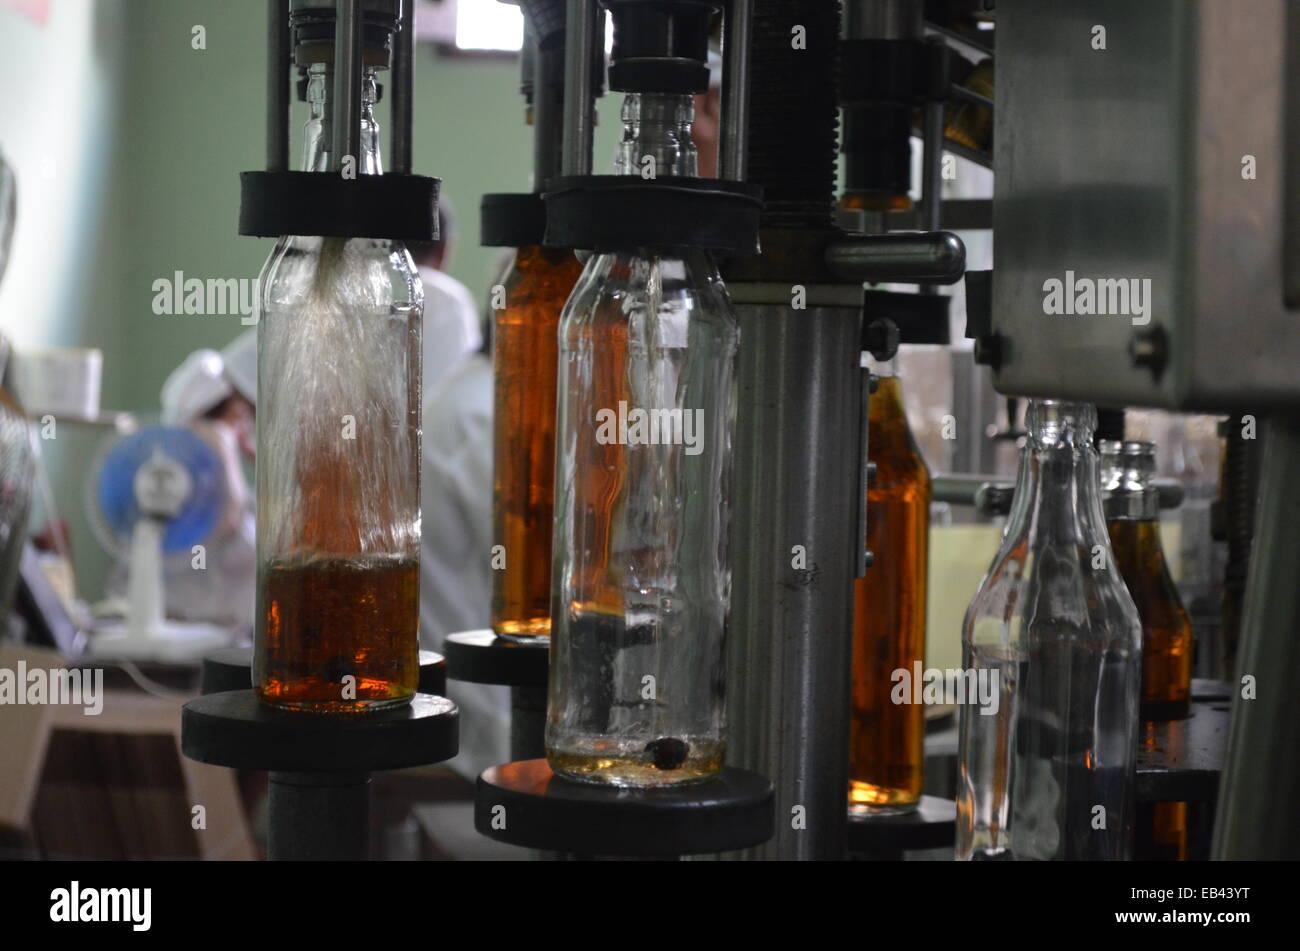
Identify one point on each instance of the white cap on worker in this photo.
(194, 387)
(240, 356)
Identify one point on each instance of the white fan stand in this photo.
(161, 488)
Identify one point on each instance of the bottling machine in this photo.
(1148, 255)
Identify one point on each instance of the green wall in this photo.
(149, 135)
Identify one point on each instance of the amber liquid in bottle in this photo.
(1166, 668)
(886, 757)
(526, 352)
(338, 625)
(331, 618)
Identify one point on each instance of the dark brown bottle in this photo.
(886, 739)
(1133, 519)
(526, 351)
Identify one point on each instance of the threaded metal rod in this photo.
(793, 110)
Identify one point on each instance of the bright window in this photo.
(488, 25)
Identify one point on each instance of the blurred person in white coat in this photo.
(456, 542)
(214, 394)
(452, 329)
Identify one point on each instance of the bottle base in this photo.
(542, 639)
(667, 761)
(860, 811)
(337, 707)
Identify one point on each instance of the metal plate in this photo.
(1126, 163)
(524, 803)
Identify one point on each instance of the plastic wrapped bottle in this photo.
(1050, 773)
(642, 583)
(338, 458)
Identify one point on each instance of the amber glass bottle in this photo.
(886, 739)
(969, 123)
(1132, 517)
(526, 351)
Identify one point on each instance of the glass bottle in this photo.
(970, 123)
(338, 461)
(1132, 508)
(642, 583)
(886, 739)
(1047, 767)
(526, 352)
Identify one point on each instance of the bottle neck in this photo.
(883, 368)
(1058, 491)
(1128, 470)
(657, 136)
(318, 141)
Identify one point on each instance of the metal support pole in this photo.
(320, 817)
(736, 37)
(932, 165)
(1257, 818)
(548, 109)
(579, 48)
(932, 173)
(346, 107)
(403, 91)
(795, 547)
(277, 86)
(527, 723)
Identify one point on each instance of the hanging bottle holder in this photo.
(396, 205)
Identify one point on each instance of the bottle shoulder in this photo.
(634, 291)
(364, 272)
(1071, 591)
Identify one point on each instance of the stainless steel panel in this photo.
(1126, 163)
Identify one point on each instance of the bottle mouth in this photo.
(1056, 424)
(1127, 470)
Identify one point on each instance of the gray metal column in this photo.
(318, 817)
(798, 431)
(1257, 817)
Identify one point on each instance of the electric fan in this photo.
(158, 492)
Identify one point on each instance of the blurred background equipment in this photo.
(156, 493)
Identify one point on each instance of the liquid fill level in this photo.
(339, 633)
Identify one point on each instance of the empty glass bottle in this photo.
(886, 739)
(1049, 772)
(1132, 507)
(338, 461)
(642, 583)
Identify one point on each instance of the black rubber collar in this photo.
(624, 212)
(399, 207)
(511, 220)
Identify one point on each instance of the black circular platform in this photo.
(525, 804)
(480, 657)
(933, 825)
(231, 668)
(1182, 760)
(235, 729)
